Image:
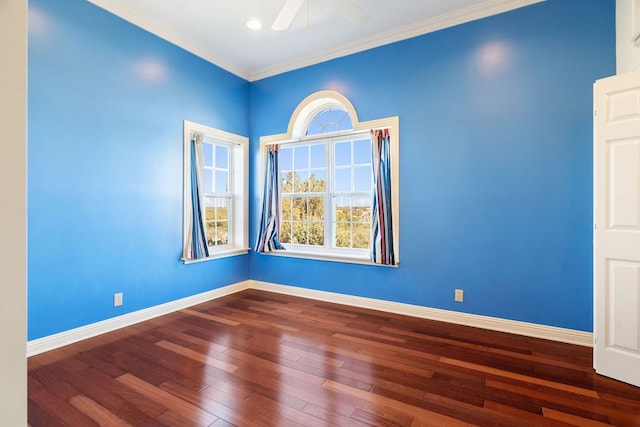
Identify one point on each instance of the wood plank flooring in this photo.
(262, 359)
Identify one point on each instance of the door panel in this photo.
(623, 289)
(624, 105)
(624, 184)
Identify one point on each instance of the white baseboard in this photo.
(552, 333)
(71, 336)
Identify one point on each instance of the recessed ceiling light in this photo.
(254, 24)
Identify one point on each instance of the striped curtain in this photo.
(269, 233)
(196, 246)
(382, 251)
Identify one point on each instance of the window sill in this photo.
(218, 255)
(289, 253)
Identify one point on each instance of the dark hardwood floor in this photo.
(261, 359)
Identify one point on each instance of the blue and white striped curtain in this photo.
(196, 246)
(269, 233)
(382, 250)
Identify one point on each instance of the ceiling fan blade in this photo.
(286, 15)
(351, 11)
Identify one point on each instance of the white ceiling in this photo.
(215, 29)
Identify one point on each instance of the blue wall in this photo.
(495, 158)
(106, 105)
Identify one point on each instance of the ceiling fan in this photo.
(347, 8)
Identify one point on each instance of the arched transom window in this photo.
(330, 119)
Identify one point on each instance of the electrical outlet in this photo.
(459, 296)
(117, 299)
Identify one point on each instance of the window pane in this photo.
(361, 214)
(324, 116)
(285, 158)
(300, 233)
(285, 232)
(222, 233)
(342, 153)
(302, 182)
(364, 201)
(342, 209)
(314, 128)
(222, 211)
(286, 208)
(210, 231)
(222, 181)
(288, 181)
(362, 179)
(316, 208)
(222, 157)
(209, 208)
(345, 122)
(343, 235)
(299, 208)
(361, 236)
(217, 233)
(207, 153)
(330, 127)
(318, 181)
(343, 180)
(362, 152)
(217, 220)
(208, 181)
(301, 158)
(316, 233)
(318, 156)
(217, 208)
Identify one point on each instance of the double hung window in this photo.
(326, 194)
(215, 193)
(326, 181)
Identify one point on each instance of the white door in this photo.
(617, 227)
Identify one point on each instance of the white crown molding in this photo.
(153, 27)
(473, 13)
(552, 333)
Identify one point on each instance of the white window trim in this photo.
(239, 175)
(295, 133)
